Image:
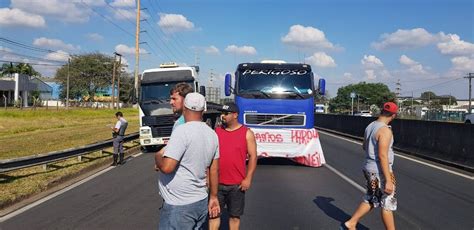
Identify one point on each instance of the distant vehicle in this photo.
(469, 118)
(364, 114)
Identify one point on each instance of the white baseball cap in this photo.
(195, 102)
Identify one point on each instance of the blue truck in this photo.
(273, 97)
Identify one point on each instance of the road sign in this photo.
(353, 95)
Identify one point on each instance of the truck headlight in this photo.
(145, 131)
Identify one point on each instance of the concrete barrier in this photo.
(444, 142)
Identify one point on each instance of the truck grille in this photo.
(275, 119)
(161, 131)
(159, 120)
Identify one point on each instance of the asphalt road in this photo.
(283, 196)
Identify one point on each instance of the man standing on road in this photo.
(177, 95)
(192, 149)
(236, 143)
(378, 141)
(118, 131)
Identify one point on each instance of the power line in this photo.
(32, 57)
(117, 10)
(176, 46)
(107, 20)
(24, 46)
(177, 35)
(433, 86)
(30, 63)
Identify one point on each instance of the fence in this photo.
(445, 142)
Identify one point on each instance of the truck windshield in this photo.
(283, 84)
(157, 92)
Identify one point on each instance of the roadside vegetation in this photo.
(29, 132)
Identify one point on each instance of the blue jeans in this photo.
(183, 217)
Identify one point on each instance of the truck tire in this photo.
(468, 122)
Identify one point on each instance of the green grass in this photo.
(28, 132)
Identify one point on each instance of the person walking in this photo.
(236, 144)
(118, 131)
(192, 150)
(378, 171)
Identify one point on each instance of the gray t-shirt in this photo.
(194, 145)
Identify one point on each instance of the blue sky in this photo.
(427, 45)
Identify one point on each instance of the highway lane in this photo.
(283, 196)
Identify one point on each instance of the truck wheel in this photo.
(468, 122)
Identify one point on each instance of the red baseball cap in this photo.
(390, 107)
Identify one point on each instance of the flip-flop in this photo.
(343, 226)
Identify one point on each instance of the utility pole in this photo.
(118, 80)
(67, 83)
(137, 48)
(398, 90)
(470, 76)
(113, 77)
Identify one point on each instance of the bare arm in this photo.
(252, 165)
(384, 137)
(164, 164)
(213, 206)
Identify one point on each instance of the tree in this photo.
(127, 83)
(367, 94)
(21, 68)
(88, 74)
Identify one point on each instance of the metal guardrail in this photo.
(25, 162)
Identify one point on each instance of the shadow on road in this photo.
(276, 161)
(324, 203)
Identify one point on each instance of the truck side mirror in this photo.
(227, 82)
(322, 86)
(202, 90)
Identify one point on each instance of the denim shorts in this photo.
(190, 216)
(233, 198)
(375, 192)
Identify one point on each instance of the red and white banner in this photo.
(301, 145)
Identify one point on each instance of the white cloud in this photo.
(307, 37)
(171, 23)
(69, 11)
(54, 43)
(125, 50)
(59, 55)
(5, 49)
(455, 46)
(123, 3)
(371, 61)
(91, 2)
(18, 17)
(243, 50)
(321, 59)
(94, 37)
(211, 50)
(413, 66)
(407, 38)
(128, 14)
(463, 64)
(348, 77)
(370, 74)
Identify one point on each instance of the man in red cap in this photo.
(378, 141)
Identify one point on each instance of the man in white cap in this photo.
(192, 149)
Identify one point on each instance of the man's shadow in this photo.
(324, 203)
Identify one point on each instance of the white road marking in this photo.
(55, 194)
(344, 177)
(51, 196)
(407, 158)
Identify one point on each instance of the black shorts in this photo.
(233, 198)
